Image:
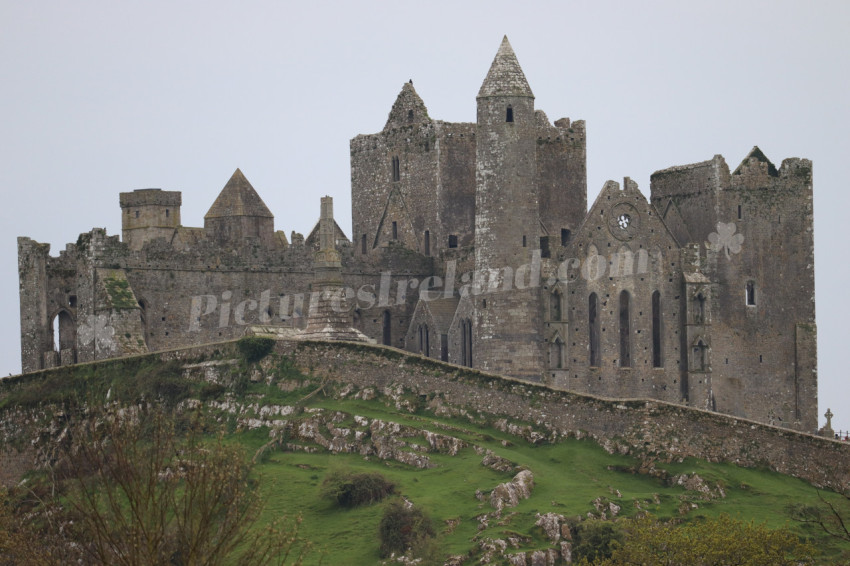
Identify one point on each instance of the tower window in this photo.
(565, 236)
(410, 115)
(427, 242)
(523, 241)
(740, 212)
(452, 241)
(137, 214)
(395, 230)
(509, 114)
(751, 293)
(396, 169)
(166, 213)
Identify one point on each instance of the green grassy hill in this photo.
(300, 429)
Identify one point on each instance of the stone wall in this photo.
(641, 427)
(644, 428)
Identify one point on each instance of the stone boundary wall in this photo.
(646, 428)
(639, 427)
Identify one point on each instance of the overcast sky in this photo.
(102, 97)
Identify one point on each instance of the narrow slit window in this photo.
(509, 114)
(555, 307)
(625, 331)
(396, 169)
(656, 330)
(593, 329)
(751, 293)
(387, 328)
(395, 230)
(544, 247)
(427, 242)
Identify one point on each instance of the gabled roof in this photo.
(757, 155)
(443, 311)
(238, 198)
(408, 108)
(505, 77)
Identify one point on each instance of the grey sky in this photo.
(102, 97)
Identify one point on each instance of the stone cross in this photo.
(828, 414)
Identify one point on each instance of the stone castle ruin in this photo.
(473, 243)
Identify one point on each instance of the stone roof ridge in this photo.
(689, 166)
(505, 77)
(408, 108)
(238, 198)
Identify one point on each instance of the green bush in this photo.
(255, 348)
(596, 540)
(403, 527)
(354, 489)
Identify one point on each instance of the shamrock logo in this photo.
(725, 239)
(97, 329)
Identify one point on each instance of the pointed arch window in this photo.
(625, 331)
(593, 329)
(556, 353)
(466, 342)
(699, 308)
(463, 342)
(656, 330)
(751, 293)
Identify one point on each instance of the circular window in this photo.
(623, 221)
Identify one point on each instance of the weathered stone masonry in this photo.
(702, 294)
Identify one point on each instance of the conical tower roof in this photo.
(238, 198)
(505, 77)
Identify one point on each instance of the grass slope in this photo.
(569, 475)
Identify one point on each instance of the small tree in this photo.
(832, 516)
(137, 494)
(353, 489)
(402, 527)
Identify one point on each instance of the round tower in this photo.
(507, 223)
